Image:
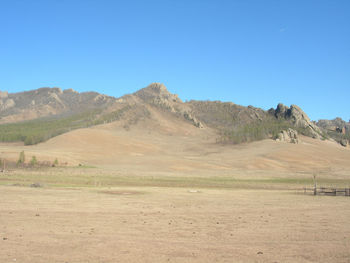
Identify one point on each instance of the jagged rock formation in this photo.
(299, 118)
(6, 104)
(337, 125)
(289, 135)
(188, 116)
(336, 129)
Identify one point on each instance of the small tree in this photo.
(21, 158)
(55, 163)
(34, 161)
(2, 165)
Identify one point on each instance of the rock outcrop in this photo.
(188, 116)
(282, 111)
(6, 104)
(299, 118)
(337, 129)
(337, 125)
(289, 135)
(158, 95)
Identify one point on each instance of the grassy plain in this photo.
(97, 177)
(170, 221)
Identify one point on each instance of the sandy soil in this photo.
(171, 225)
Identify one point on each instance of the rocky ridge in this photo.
(224, 117)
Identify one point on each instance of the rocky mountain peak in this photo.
(281, 111)
(70, 91)
(157, 87)
(157, 93)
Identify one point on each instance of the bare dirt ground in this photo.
(152, 224)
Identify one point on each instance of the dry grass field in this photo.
(178, 224)
(172, 194)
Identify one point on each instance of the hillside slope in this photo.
(153, 132)
(38, 115)
(180, 149)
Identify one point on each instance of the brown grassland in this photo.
(165, 192)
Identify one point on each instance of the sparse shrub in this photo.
(21, 158)
(55, 163)
(33, 161)
(36, 185)
(40, 130)
(2, 165)
(255, 131)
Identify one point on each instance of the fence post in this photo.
(315, 185)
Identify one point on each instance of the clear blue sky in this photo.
(249, 52)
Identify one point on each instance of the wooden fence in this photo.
(327, 191)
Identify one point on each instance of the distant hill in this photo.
(37, 115)
(44, 102)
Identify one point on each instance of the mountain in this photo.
(44, 102)
(38, 115)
